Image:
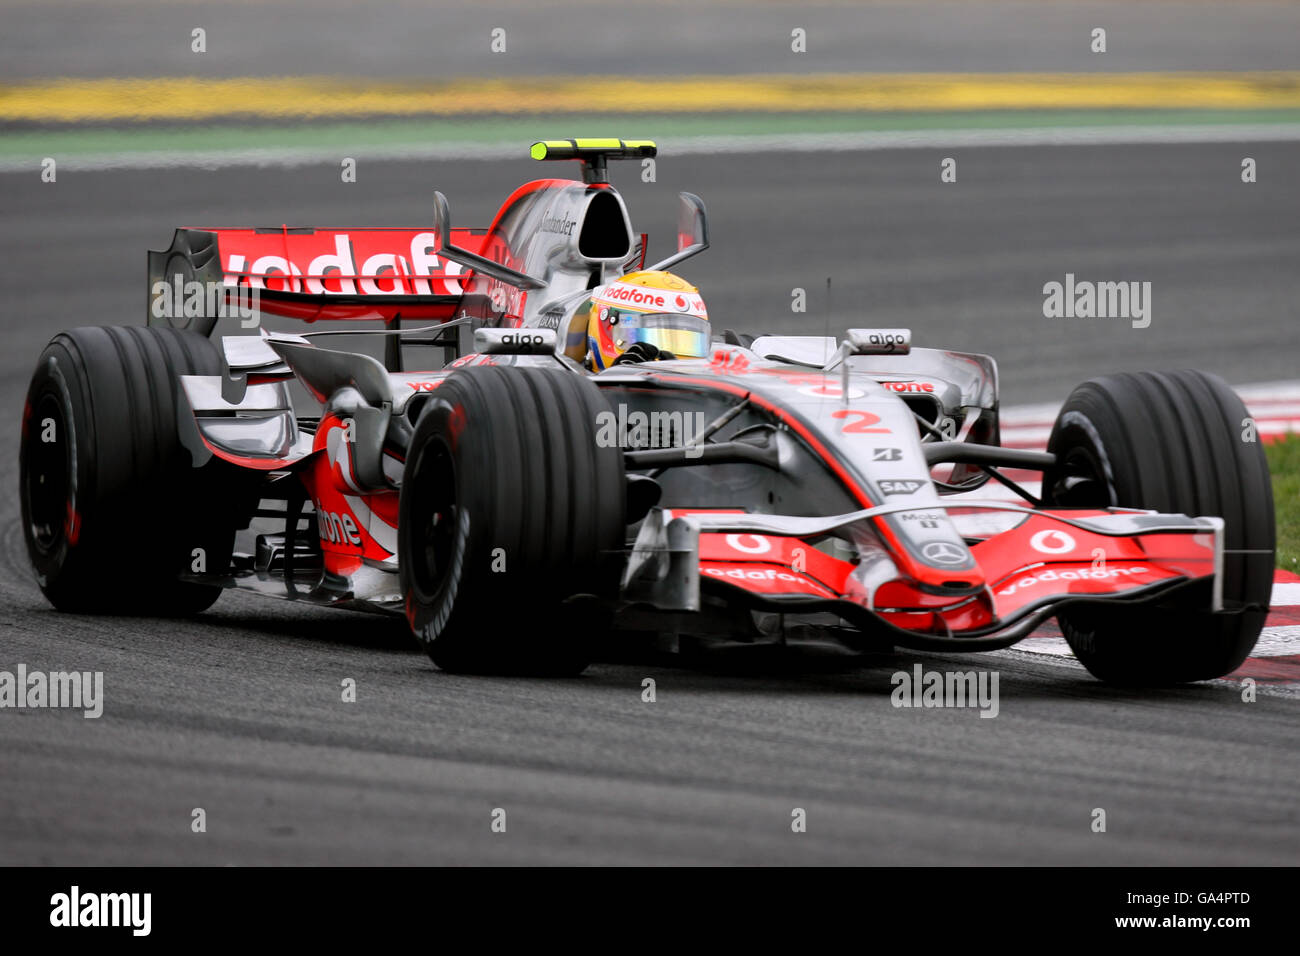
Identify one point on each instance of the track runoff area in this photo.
(1275, 664)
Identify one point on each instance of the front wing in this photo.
(1035, 563)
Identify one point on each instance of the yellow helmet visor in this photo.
(686, 336)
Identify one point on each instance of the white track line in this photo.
(1286, 593)
(684, 146)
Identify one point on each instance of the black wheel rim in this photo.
(45, 477)
(434, 517)
(1080, 480)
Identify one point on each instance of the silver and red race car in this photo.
(522, 510)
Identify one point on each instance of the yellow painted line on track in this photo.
(190, 98)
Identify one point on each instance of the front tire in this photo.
(1178, 443)
(510, 522)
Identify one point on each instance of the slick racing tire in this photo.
(112, 509)
(510, 522)
(1177, 443)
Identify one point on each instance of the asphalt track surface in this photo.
(239, 712)
(86, 38)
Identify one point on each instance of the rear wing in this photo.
(312, 274)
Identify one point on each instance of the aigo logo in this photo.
(886, 340)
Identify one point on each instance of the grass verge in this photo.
(1284, 464)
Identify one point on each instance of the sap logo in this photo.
(337, 529)
(902, 486)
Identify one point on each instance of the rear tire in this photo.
(112, 508)
(510, 522)
(1171, 442)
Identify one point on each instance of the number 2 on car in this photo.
(861, 423)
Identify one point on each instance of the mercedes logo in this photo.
(944, 552)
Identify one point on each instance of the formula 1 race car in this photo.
(521, 506)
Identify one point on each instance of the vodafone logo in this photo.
(1052, 542)
(349, 270)
(635, 296)
(767, 574)
(760, 544)
(1082, 574)
(681, 303)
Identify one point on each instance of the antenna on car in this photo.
(594, 154)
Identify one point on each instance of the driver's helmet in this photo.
(652, 313)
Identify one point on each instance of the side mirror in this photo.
(692, 223)
(442, 229)
(692, 231)
(441, 219)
